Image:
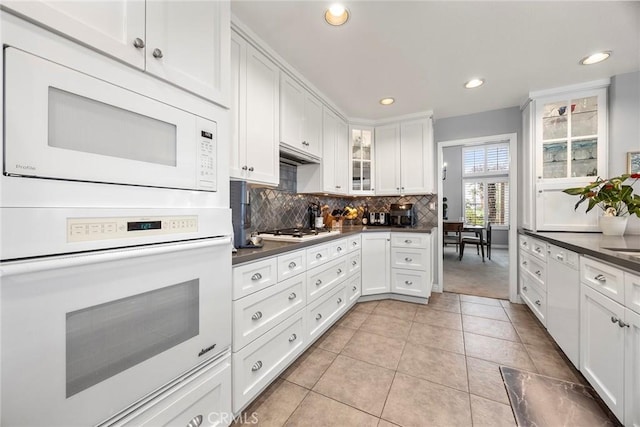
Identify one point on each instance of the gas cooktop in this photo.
(294, 234)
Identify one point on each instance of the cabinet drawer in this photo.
(415, 259)
(318, 255)
(535, 298)
(250, 278)
(255, 314)
(538, 248)
(354, 243)
(632, 292)
(523, 242)
(353, 263)
(260, 362)
(291, 264)
(409, 282)
(410, 240)
(323, 313)
(354, 289)
(208, 394)
(338, 248)
(321, 279)
(603, 278)
(535, 268)
(564, 256)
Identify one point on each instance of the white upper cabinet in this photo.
(184, 43)
(564, 145)
(300, 118)
(361, 157)
(405, 150)
(254, 114)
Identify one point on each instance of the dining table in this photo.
(478, 230)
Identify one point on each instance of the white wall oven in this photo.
(87, 335)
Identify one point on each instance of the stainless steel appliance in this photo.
(402, 215)
(295, 234)
(241, 215)
(378, 218)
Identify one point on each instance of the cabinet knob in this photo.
(402, 188)
(318, 316)
(138, 43)
(623, 324)
(354, 263)
(524, 263)
(355, 288)
(524, 288)
(614, 319)
(354, 243)
(257, 315)
(318, 256)
(408, 282)
(244, 168)
(157, 53)
(292, 265)
(339, 248)
(256, 366)
(339, 271)
(293, 337)
(292, 295)
(538, 273)
(600, 278)
(195, 421)
(256, 276)
(318, 282)
(560, 257)
(339, 301)
(397, 188)
(407, 259)
(407, 241)
(251, 169)
(538, 302)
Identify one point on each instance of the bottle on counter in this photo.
(365, 215)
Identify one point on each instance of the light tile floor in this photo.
(392, 363)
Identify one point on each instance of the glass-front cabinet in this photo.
(361, 173)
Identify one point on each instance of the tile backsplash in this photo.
(282, 207)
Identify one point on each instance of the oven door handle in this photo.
(66, 261)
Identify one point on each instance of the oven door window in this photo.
(106, 339)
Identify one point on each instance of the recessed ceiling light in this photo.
(387, 101)
(336, 15)
(474, 83)
(595, 58)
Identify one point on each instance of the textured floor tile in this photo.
(416, 402)
(520, 315)
(482, 310)
(387, 326)
(489, 327)
(309, 367)
(366, 307)
(275, 404)
(486, 413)
(318, 410)
(508, 305)
(549, 362)
(445, 304)
(481, 300)
(439, 366)
(385, 423)
(499, 351)
(485, 380)
(398, 309)
(354, 319)
(532, 333)
(355, 383)
(335, 339)
(436, 337)
(430, 316)
(377, 349)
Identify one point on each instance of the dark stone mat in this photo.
(540, 401)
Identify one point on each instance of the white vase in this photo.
(613, 225)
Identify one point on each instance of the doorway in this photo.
(478, 177)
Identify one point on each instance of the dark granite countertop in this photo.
(272, 248)
(596, 245)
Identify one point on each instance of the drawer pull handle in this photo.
(339, 301)
(354, 243)
(292, 265)
(196, 421)
(537, 249)
(339, 271)
(257, 315)
(524, 263)
(408, 282)
(538, 273)
(256, 366)
(256, 276)
(293, 337)
(524, 288)
(614, 319)
(339, 249)
(600, 278)
(318, 256)
(292, 295)
(538, 303)
(408, 241)
(354, 263)
(408, 259)
(355, 288)
(318, 282)
(318, 316)
(623, 324)
(560, 257)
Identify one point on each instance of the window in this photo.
(485, 184)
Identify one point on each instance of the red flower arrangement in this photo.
(611, 195)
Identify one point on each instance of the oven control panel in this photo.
(91, 229)
(207, 158)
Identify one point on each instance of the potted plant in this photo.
(614, 197)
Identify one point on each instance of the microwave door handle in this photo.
(67, 261)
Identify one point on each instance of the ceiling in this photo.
(421, 52)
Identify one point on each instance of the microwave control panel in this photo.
(207, 158)
(92, 229)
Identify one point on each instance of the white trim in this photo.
(513, 205)
(595, 84)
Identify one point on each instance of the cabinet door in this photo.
(262, 111)
(342, 158)
(312, 125)
(237, 151)
(416, 157)
(361, 156)
(526, 168)
(602, 347)
(108, 26)
(376, 260)
(329, 155)
(291, 112)
(388, 160)
(188, 45)
(632, 369)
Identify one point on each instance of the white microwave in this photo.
(62, 124)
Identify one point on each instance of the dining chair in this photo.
(487, 240)
(473, 240)
(455, 238)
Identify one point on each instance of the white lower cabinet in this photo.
(632, 369)
(321, 279)
(376, 260)
(324, 312)
(409, 282)
(534, 297)
(354, 289)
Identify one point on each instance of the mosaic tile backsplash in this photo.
(282, 207)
